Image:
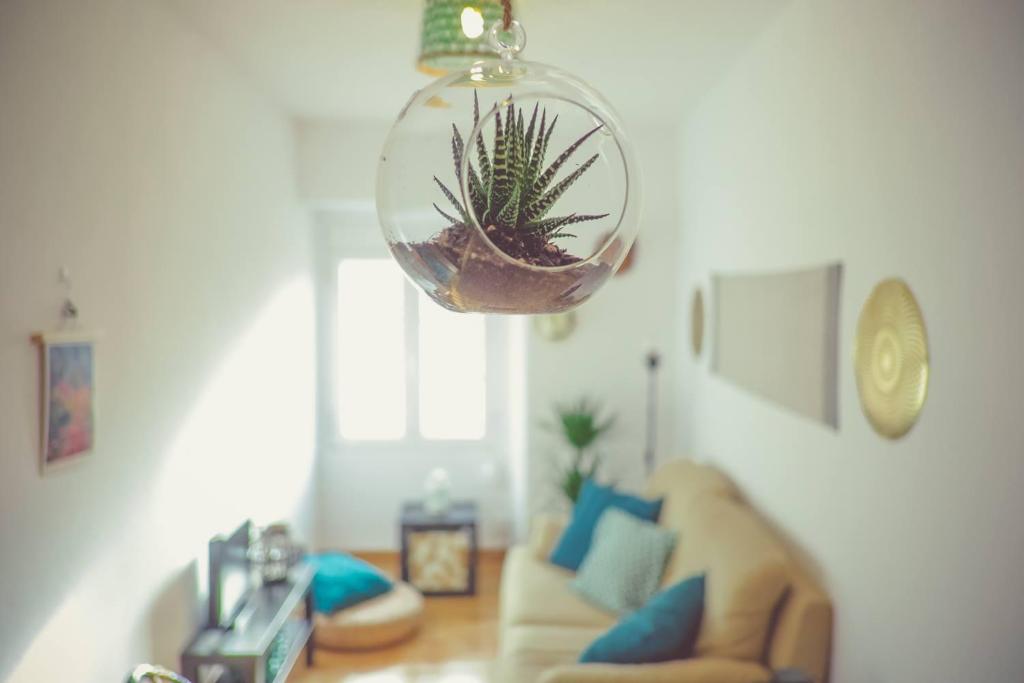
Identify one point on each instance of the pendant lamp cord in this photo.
(507, 19)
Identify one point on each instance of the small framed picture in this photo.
(68, 373)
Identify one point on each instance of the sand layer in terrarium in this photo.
(461, 270)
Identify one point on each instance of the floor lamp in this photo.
(653, 361)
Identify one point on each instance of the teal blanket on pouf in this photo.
(343, 581)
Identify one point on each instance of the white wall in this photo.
(887, 135)
(604, 359)
(130, 153)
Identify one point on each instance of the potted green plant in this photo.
(581, 423)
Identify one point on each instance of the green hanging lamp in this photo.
(454, 34)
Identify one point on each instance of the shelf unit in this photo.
(270, 616)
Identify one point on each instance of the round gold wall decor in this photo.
(697, 322)
(556, 326)
(891, 359)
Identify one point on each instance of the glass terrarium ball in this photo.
(508, 188)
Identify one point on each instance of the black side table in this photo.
(439, 552)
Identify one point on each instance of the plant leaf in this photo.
(451, 219)
(451, 197)
(477, 195)
(499, 180)
(541, 206)
(457, 149)
(551, 224)
(481, 150)
(508, 213)
(542, 182)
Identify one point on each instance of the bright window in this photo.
(371, 368)
(452, 373)
(405, 368)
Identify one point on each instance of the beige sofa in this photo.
(762, 612)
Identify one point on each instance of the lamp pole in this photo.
(653, 361)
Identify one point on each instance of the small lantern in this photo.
(454, 34)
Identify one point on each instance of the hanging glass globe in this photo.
(509, 187)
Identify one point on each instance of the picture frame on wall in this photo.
(68, 398)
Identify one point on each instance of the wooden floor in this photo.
(454, 629)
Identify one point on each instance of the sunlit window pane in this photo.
(453, 364)
(371, 350)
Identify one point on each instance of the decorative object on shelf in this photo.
(439, 552)
(650, 446)
(581, 424)
(891, 359)
(438, 490)
(148, 673)
(777, 336)
(454, 34)
(68, 381)
(500, 215)
(274, 553)
(556, 326)
(697, 322)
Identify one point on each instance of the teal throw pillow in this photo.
(594, 499)
(343, 581)
(626, 560)
(664, 629)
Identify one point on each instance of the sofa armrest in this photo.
(545, 530)
(699, 670)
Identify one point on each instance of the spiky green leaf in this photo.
(451, 197)
(457, 149)
(542, 182)
(550, 224)
(508, 213)
(481, 149)
(541, 206)
(451, 219)
(500, 181)
(477, 194)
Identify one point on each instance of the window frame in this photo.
(353, 233)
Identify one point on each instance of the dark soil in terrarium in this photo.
(479, 279)
(530, 248)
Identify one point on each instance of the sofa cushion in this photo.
(747, 571)
(546, 644)
(625, 563)
(662, 630)
(594, 499)
(536, 592)
(704, 670)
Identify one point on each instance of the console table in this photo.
(266, 640)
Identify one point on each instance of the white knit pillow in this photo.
(623, 567)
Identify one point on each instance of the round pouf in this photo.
(382, 621)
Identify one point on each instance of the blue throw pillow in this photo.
(664, 629)
(593, 501)
(343, 581)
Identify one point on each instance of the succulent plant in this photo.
(509, 187)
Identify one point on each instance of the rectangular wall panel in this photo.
(777, 334)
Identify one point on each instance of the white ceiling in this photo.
(355, 58)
